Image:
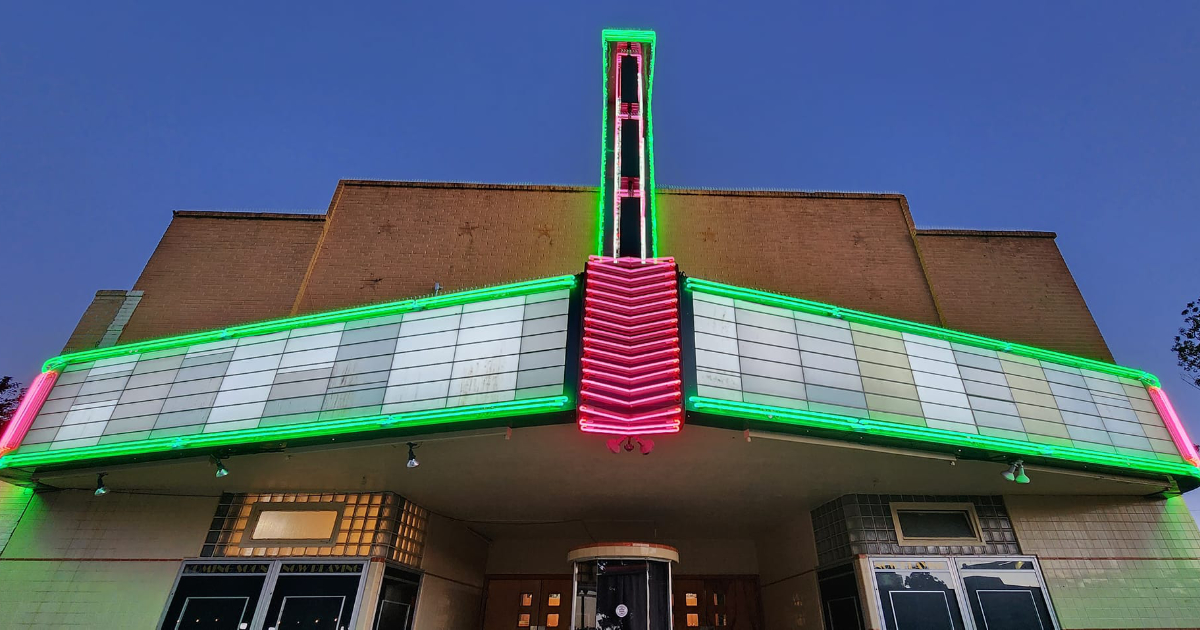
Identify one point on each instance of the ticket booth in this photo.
(622, 586)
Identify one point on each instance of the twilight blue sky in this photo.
(1081, 118)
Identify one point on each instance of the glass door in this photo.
(397, 596)
(918, 594)
(622, 595)
(962, 593)
(314, 596)
(1005, 594)
(840, 604)
(216, 596)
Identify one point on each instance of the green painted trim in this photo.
(317, 319)
(836, 422)
(430, 417)
(925, 330)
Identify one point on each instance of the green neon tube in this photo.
(291, 432)
(317, 319)
(925, 330)
(819, 420)
(645, 37)
(650, 155)
(628, 35)
(603, 150)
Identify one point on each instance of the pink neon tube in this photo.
(624, 337)
(616, 327)
(631, 307)
(656, 315)
(629, 370)
(622, 359)
(27, 410)
(1184, 443)
(630, 381)
(641, 157)
(622, 430)
(641, 391)
(616, 251)
(636, 291)
(601, 346)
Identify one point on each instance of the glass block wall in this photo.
(862, 524)
(372, 524)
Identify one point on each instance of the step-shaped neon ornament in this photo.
(630, 382)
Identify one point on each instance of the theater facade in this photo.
(472, 406)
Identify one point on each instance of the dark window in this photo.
(631, 227)
(629, 79)
(397, 598)
(922, 609)
(935, 524)
(631, 149)
(839, 598)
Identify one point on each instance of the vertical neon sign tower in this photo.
(630, 383)
(627, 213)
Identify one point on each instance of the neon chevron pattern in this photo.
(630, 376)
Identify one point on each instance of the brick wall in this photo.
(383, 241)
(392, 240)
(215, 269)
(1114, 562)
(1011, 286)
(95, 321)
(854, 251)
(116, 556)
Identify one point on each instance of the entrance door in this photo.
(1005, 594)
(840, 604)
(216, 596)
(397, 596)
(720, 602)
(961, 593)
(918, 594)
(533, 602)
(312, 596)
(622, 595)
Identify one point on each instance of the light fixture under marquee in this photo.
(101, 489)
